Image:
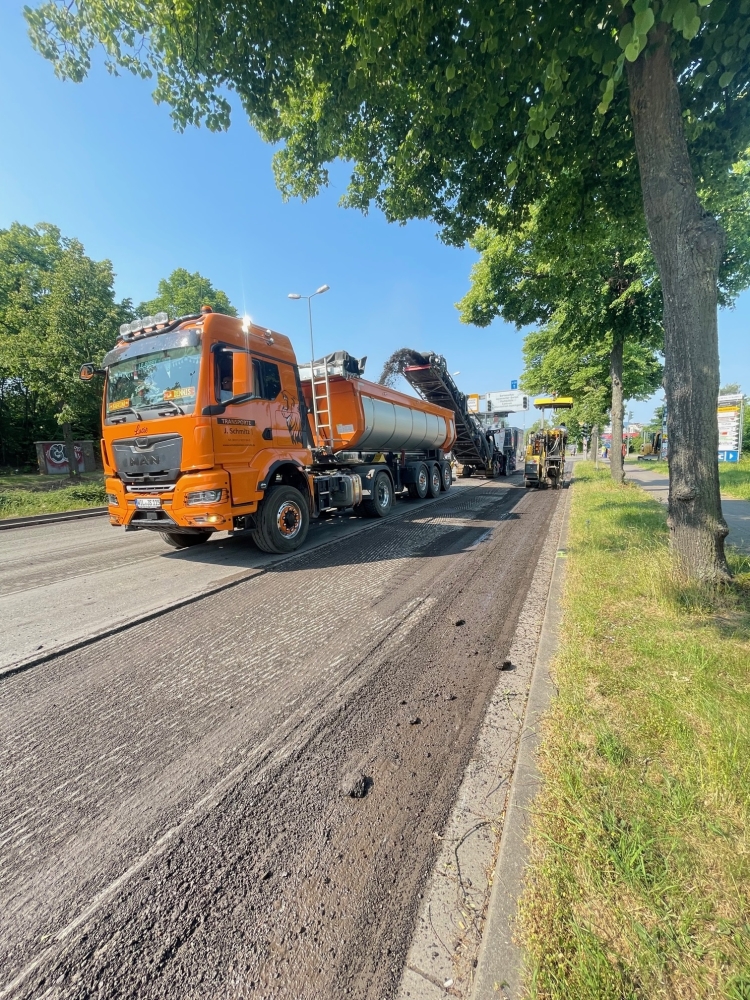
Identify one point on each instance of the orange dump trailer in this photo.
(209, 424)
(365, 416)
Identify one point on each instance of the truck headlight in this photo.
(112, 500)
(205, 496)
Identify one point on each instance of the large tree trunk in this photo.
(70, 451)
(687, 243)
(618, 410)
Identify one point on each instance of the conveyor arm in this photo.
(433, 382)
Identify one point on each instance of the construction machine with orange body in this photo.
(209, 424)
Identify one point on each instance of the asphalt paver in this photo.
(244, 797)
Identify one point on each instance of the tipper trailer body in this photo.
(209, 424)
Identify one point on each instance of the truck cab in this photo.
(198, 416)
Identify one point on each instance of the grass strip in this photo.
(734, 477)
(15, 502)
(639, 880)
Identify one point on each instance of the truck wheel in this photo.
(179, 541)
(435, 482)
(381, 501)
(447, 478)
(418, 490)
(466, 472)
(283, 520)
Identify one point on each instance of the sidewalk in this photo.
(736, 512)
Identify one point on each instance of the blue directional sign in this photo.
(514, 383)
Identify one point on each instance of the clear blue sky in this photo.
(102, 161)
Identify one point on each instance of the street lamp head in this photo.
(323, 288)
(456, 373)
(293, 295)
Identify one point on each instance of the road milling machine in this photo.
(545, 450)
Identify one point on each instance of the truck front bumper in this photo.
(169, 510)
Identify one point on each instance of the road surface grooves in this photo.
(174, 811)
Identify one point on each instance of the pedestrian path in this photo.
(736, 512)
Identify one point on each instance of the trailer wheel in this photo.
(418, 490)
(381, 501)
(434, 482)
(447, 477)
(283, 520)
(179, 541)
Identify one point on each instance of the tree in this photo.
(183, 294)
(591, 281)
(451, 111)
(57, 311)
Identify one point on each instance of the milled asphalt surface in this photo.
(60, 583)
(175, 816)
(736, 512)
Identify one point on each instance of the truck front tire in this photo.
(381, 501)
(282, 521)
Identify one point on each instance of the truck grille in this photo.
(149, 461)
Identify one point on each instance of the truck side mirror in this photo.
(88, 371)
(242, 373)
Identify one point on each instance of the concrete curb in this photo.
(499, 970)
(33, 520)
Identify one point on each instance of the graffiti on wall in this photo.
(57, 461)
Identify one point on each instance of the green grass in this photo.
(733, 476)
(639, 886)
(34, 494)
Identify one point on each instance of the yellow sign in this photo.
(555, 402)
(120, 404)
(472, 402)
(189, 390)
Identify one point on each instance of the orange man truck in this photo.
(209, 424)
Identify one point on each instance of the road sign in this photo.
(509, 401)
(514, 383)
(729, 417)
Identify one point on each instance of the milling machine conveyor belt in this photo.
(433, 382)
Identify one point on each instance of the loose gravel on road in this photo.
(242, 798)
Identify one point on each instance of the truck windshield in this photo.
(163, 383)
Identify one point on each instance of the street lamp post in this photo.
(296, 295)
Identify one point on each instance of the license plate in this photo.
(148, 503)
